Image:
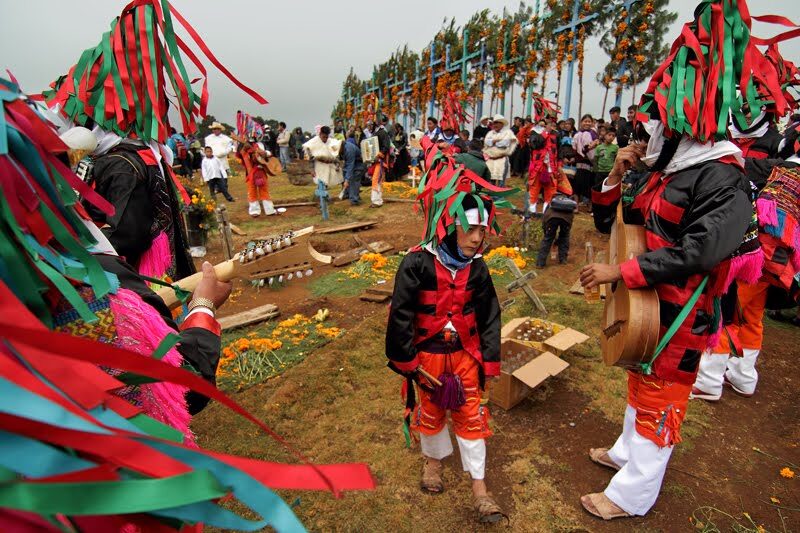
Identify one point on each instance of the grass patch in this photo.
(268, 350)
(353, 280)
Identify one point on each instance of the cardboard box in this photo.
(529, 355)
(516, 382)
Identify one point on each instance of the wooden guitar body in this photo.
(631, 318)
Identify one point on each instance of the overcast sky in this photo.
(296, 54)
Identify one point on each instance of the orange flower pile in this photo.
(506, 251)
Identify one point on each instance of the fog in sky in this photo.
(296, 54)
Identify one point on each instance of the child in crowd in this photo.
(557, 221)
(605, 154)
(214, 175)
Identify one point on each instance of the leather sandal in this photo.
(599, 505)
(488, 510)
(601, 457)
(431, 478)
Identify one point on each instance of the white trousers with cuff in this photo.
(635, 488)
(740, 371)
(473, 452)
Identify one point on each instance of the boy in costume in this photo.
(695, 205)
(445, 320)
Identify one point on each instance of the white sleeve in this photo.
(607, 187)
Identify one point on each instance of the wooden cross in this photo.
(225, 231)
(521, 282)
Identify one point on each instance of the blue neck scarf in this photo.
(455, 261)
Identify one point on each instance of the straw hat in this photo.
(500, 118)
(484, 117)
(79, 138)
(217, 125)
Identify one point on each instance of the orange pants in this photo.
(748, 328)
(257, 193)
(535, 185)
(471, 420)
(660, 407)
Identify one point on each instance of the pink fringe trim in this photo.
(766, 212)
(157, 259)
(745, 268)
(140, 329)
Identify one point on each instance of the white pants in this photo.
(740, 371)
(377, 194)
(635, 488)
(473, 452)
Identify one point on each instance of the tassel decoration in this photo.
(450, 395)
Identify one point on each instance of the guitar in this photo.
(631, 317)
(289, 255)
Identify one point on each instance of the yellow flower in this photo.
(195, 199)
(787, 472)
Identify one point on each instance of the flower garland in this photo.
(498, 74)
(531, 71)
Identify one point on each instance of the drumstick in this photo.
(429, 377)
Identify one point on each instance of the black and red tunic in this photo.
(427, 296)
(764, 147)
(694, 220)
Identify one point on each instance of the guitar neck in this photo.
(225, 271)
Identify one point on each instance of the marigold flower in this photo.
(787, 472)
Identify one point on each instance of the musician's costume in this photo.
(498, 147)
(253, 155)
(777, 182)
(147, 227)
(120, 88)
(445, 317)
(326, 160)
(733, 360)
(696, 209)
(545, 168)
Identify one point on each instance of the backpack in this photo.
(563, 203)
(180, 149)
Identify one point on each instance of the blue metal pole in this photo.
(571, 66)
(433, 80)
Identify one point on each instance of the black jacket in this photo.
(694, 220)
(145, 203)
(417, 273)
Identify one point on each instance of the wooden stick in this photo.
(429, 377)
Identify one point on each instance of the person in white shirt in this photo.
(214, 175)
(221, 145)
(499, 144)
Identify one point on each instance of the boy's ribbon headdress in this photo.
(453, 113)
(442, 191)
(121, 84)
(714, 68)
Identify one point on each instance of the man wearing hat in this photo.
(221, 145)
(481, 129)
(499, 144)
